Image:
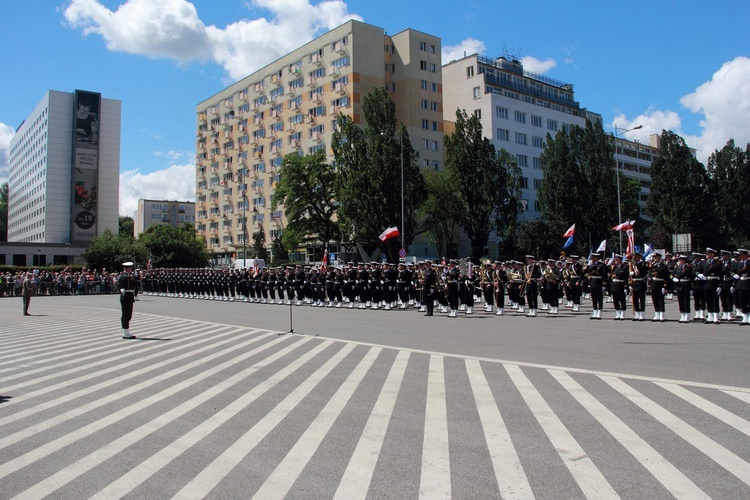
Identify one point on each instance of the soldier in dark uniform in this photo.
(363, 286)
(350, 284)
(727, 283)
(575, 277)
(658, 275)
(596, 273)
(699, 285)
(390, 287)
(552, 279)
(451, 282)
(682, 277)
(126, 283)
(742, 283)
(713, 274)
(498, 281)
(531, 276)
(638, 283)
(429, 282)
(404, 280)
(619, 274)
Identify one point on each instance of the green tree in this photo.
(259, 244)
(729, 173)
(679, 200)
(174, 246)
(306, 189)
(488, 186)
(368, 184)
(580, 185)
(127, 225)
(110, 250)
(280, 253)
(440, 211)
(4, 211)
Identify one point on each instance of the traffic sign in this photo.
(402, 253)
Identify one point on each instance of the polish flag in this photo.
(631, 241)
(624, 226)
(324, 267)
(389, 233)
(570, 232)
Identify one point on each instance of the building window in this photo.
(426, 124)
(476, 92)
(537, 142)
(469, 71)
(520, 117)
(478, 113)
(537, 183)
(552, 125)
(536, 121)
(522, 160)
(503, 134)
(520, 138)
(433, 106)
(423, 65)
(501, 112)
(424, 84)
(425, 104)
(536, 162)
(425, 144)
(524, 182)
(434, 87)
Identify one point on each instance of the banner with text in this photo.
(85, 174)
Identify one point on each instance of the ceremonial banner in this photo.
(389, 233)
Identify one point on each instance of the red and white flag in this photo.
(324, 266)
(624, 226)
(570, 232)
(389, 233)
(631, 241)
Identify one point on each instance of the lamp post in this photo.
(403, 219)
(243, 176)
(617, 171)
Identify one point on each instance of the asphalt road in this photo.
(211, 402)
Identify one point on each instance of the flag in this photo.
(624, 226)
(569, 242)
(570, 232)
(648, 250)
(389, 233)
(148, 264)
(602, 246)
(324, 266)
(631, 241)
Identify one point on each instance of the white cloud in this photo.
(464, 48)
(174, 156)
(535, 65)
(724, 102)
(173, 29)
(6, 134)
(176, 182)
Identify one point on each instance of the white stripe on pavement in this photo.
(584, 471)
(707, 406)
(278, 484)
(358, 474)
(435, 479)
(511, 478)
(663, 471)
(217, 470)
(706, 445)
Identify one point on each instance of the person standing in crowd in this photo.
(596, 272)
(27, 290)
(619, 273)
(429, 282)
(532, 274)
(638, 275)
(682, 277)
(658, 274)
(742, 283)
(712, 272)
(126, 283)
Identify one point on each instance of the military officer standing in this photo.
(682, 277)
(712, 271)
(658, 274)
(126, 283)
(596, 273)
(619, 273)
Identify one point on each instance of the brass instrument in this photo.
(550, 276)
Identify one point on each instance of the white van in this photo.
(248, 264)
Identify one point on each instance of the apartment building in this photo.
(150, 212)
(517, 108)
(289, 106)
(63, 183)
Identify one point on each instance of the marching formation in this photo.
(719, 286)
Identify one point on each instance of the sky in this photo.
(677, 65)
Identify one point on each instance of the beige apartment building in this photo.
(289, 106)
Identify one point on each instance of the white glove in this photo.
(663, 291)
(675, 280)
(736, 276)
(718, 291)
(122, 290)
(701, 277)
(731, 290)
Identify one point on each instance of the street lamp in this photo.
(617, 171)
(403, 226)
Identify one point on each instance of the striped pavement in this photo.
(205, 410)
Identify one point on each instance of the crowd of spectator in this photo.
(65, 282)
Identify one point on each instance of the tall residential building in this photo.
(634, 160)
(289, 106)
(64, 176)
(517, 108)
(150, 212)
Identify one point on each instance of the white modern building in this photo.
(150, 212)
(63, 184)
(517, 109)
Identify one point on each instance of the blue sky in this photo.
(683, 66)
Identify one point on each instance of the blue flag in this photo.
(568, 242)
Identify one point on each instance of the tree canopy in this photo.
(110, 250)
(368, 185)
(174, 246)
